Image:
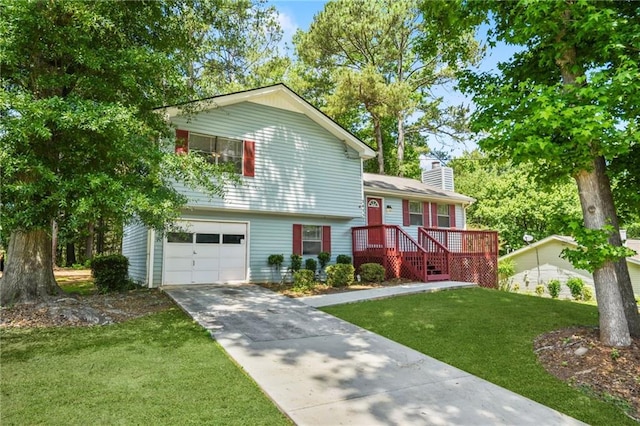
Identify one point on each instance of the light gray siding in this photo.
(134, 247)
(300, 168)
(270, 234)
(394, 217)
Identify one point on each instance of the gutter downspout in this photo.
(151, 238)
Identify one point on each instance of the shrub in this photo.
(540, 289)
(372, 272)
(587, 293)
(340, 275)
(111, 273)
(554, 288)
(516, 287)
(324, 258)
(343, 259)
(311, 265)
(303, 280)
(296, 262)
(575, 285)
(276, 260)
(506, 269)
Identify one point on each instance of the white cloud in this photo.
(288, 25)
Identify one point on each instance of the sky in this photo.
(298, 14)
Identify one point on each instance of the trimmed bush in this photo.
(587, 293)
(324, 258)
(110, 273)
(275, 260)
(311, 265)
(340, 275)
(296, 262)
(372, 272)
(554, 288)
(540, 289)
(343, 259)
(576, 285)
(303, 279)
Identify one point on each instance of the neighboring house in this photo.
(541, 262)
(302, 192)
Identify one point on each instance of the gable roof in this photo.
(277, 96)
(399, 186)
(632, 244)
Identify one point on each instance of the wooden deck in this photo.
(439, 254)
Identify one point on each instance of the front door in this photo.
(374, 217)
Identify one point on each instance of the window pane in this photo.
(415, 207)
(208, 238)
(179, 237)
(415, 219)
(443, 209)
(230, 151)
(201, 143)
(311, 232)
(311, 247)
(232, 238)
(443, 221)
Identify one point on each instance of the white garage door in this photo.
(205, 253)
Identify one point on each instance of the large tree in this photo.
(80, 137)
(568, 104)
(510, 201)
(366, 50)
(239, 48)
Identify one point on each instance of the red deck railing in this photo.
(401, 255)
(473, 254)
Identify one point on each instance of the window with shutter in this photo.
(240, 155)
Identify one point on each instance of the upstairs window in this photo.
(217, 150)
(415, 213)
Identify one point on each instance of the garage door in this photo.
(205, 253)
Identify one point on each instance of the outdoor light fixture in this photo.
(389, 208)
(527, 238)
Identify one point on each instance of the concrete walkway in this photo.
(321, 370)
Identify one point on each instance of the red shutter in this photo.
(434, 215)
(425, 214)
(406, 219)
(297, 239)
(326, 239)
(452, 216)
(249, 159)
(182, 141)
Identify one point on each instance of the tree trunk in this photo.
(400, 144)
(598, 210)
(100, 237)
(54, 242)
(378, 134)
(28, 275)
(88, 250)
(71, 254)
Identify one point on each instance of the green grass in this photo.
(489, 334)
(160, 369)
(73, 285)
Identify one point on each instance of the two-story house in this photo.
(303, 191)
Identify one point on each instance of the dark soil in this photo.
(612, 374)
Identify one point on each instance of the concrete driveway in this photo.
(321, 370)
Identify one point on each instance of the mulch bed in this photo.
(576, 356)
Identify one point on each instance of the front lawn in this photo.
(159, 369)
(490, 334)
